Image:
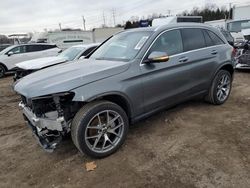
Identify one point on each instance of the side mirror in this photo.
(10, 53)
(60, 51)
(82, 57)
(157, 57)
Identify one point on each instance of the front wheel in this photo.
(220, 88)
(99, 128)
(2, 71)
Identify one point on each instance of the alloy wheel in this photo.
(104, 131)
(2, 71)
(223, 88)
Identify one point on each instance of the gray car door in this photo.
(202, 58)
(168, 82)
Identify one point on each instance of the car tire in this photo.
(220, 88)
(99, 128)
(2, 71)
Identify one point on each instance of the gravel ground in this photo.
(192, 145)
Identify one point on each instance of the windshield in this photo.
(71, 53)
(6, 49)
(122, 47)
(237, 26)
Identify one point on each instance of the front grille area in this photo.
(42, 106)
(20, 73)
(24, 100)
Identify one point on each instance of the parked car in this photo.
(129, 77)
(243, 56)
(243, 51)
(18, 53)
(72, 53)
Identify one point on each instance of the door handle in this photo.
(183, 59)
(214, 52)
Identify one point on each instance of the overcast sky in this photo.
(21, 16)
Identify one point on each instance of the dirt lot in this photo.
(192, 145)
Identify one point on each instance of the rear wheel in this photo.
(2, 71)
(220, 88)
(99, 128)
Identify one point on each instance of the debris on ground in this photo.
(90, 166)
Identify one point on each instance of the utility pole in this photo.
(104, 19)
(169, 12)
(113, 14)
(60, 26)
(84, 23)
(230, 7)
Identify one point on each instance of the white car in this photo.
(73, 53)
(12, 55)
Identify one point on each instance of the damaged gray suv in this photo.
(132, 75)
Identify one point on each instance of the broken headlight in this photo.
(51, 103)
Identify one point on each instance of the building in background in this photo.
(65, 39)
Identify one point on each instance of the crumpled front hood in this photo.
(65, 77)
(40, 63)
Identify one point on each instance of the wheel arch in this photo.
(227, 66)
(117, 98)
(6, 69)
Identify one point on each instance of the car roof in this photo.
(40, 44)
(171, 26)
(186, 24)
(162, 28)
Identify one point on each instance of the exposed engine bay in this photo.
(49, 117)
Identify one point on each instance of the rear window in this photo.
(192, 39)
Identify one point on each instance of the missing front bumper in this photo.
(49, 145)
(41, 123)
(48, 132)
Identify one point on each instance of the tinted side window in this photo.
(192, 39)
(86, 52)
(34, 48)
(46, 47)
(216, 40)
(169, 42)
(208, 40)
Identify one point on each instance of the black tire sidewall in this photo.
(84, 122)
(215, 84)
(2, 67)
